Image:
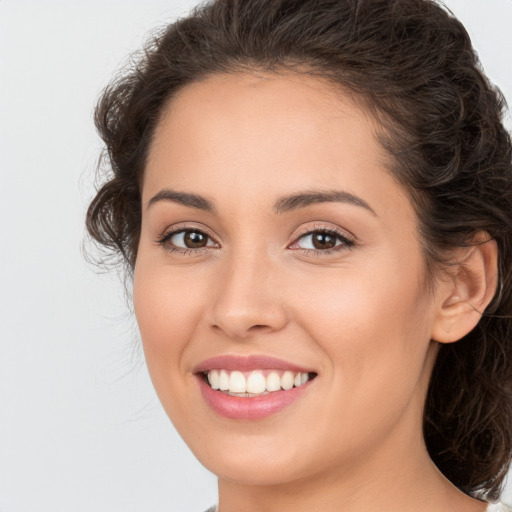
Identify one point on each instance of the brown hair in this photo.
(413, 64)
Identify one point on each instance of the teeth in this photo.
(287, 380)
(224, 380)
(214, 379)
(273, 382)
(255, 382)
(237, 383)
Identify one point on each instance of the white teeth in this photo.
(237, 383)
(255, 382)
(213, 379)
(287, 380)
(224, 380)
(273, 382)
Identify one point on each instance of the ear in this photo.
(471, 284)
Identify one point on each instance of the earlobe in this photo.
(470, 288)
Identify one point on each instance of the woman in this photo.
(314, 200)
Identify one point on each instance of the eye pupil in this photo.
(194, 239)
(323, 241)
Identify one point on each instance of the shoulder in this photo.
(493, 507)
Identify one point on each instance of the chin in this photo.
(255, 472)
(255, 459)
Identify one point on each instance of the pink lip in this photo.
(248, 408)
(241, 408)
(248, 363)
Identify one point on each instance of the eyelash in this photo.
(164, 239)
(346, 241)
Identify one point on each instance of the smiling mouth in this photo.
(254, 383)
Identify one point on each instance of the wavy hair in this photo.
(412, 64)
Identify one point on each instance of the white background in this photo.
(80, 427)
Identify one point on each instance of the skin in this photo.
(361, 315)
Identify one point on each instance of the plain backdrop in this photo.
(80, 427)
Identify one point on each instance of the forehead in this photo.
(243, 108)
(267, 134)
(238, 105)
(284, 90)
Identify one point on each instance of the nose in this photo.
(248, 299)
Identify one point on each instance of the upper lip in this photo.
(248, 363)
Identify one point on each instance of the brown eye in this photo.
(195, 239)
(323, 240)
(187, 239)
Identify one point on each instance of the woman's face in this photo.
(276, 250)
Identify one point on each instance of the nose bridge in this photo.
(247, 298)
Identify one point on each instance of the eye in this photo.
(322, 240)
(186, 240)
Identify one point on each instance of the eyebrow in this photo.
(284, 204)
(184, 198)
(304, 199)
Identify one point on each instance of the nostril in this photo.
(239, 331)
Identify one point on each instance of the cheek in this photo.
(373, 325)
(355, 303)
(375, 335)
(168, 308)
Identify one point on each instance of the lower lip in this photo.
(249, 408)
